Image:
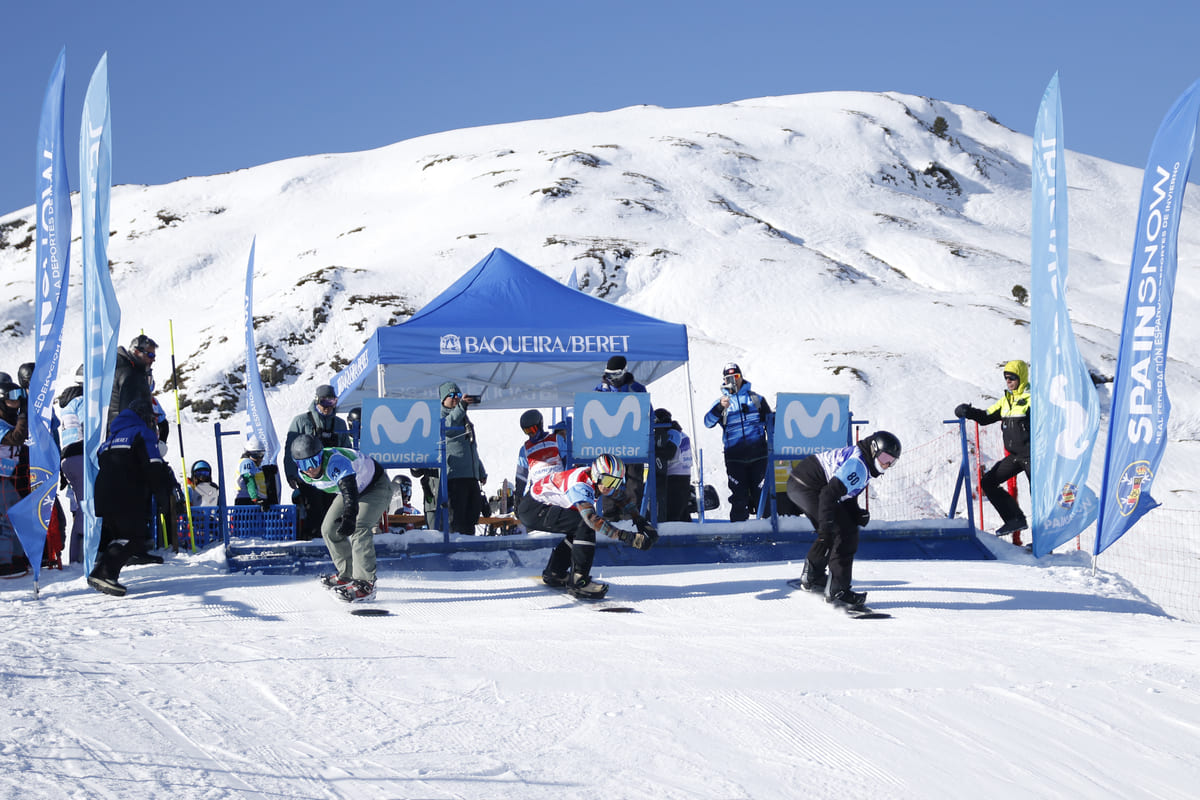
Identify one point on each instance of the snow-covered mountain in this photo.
(869, 244)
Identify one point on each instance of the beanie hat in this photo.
(616, 363)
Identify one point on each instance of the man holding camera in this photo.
(742, 414)
(464, 471)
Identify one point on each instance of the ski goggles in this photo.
(530, 430)
(312, 462)
(885, 460)
(608, 482)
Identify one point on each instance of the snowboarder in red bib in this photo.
(565, 502)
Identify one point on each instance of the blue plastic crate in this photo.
(278, 523)
(206, 522)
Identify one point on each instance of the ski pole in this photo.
(187, 496)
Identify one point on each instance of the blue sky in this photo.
(210, 87)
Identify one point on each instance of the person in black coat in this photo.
(131, 377)
(131, 473)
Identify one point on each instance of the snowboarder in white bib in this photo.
(565, 502)
(362, 493)
(826, 486)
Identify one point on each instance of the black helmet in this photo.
(142, 342)
(79, 374)
(531, 419)
(881, 442)
(661, 415)
(354, 416)
(404, 484)
(305, 446)
(25, 375)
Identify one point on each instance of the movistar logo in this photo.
(1072, 441)
(399, 431)
(797, 419)
(595, 416)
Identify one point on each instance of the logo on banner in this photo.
(400, 432)
(1135, 479)
(809, 423)
(612, 422)
(450, 345)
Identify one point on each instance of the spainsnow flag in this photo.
(31, 515)
(1137, 432)
(1066, 411)
(256, 399)
(101, 312)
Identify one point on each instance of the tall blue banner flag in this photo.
(31, 516)
(1137, 433)
(1066, 411)
(256, 399)
(101, 312)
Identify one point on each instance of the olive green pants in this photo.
(354, 556)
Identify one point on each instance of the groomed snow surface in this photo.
(1005, 679)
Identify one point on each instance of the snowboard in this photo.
(854, 612)
(598, 604)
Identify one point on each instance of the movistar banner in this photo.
(31, 516)
(256, 399)
(1137, 433)
(402, 433)
(612, 422)
(809, 423)
(1066, 411)
(101, 312)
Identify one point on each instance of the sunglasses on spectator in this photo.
(1008, 376)
(455, 395)
(328, 402)
(150, 354)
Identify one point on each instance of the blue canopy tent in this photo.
(514, 335)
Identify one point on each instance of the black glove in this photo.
(346, 527)
(864, 517)
(263, 503)
(646, 536)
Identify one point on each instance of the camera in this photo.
(473, 399)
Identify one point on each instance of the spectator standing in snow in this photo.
(672, 468)
(360, 493)
(541, 453)
(201, 489)
(565, 502)
(826, 486)
(131, 377)
(321, 421)
(742, 415)
(131, 473)
(1012, 411)
(251, 482)
(465, 473)
(70, 437)
(617, 378)
(14, 430)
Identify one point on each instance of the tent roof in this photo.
(513, 334)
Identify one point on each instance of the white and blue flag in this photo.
(1137, 433)
(1066, 411)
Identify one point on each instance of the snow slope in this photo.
(1006, 679)
(826, 242)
